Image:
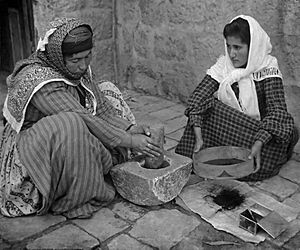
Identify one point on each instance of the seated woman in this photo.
(62, 135)
(240, 102)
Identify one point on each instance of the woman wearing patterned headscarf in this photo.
(240, 102)
(62, 135)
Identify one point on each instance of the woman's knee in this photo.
(66, 123)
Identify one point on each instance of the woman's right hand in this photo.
(198, 139)
(145, 145)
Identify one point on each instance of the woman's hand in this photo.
(140, 129)
(198, 138)
(145, 145)
(256, 152)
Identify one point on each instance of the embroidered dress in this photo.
(56, 148)
(114, 95)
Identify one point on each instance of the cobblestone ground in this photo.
(123, 225)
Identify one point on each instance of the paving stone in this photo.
(150, 120)
(170, 144)
(67, 237)
(176, 135)
(166, 114)
(19, 228)
(296, 197)
(297, 148)
(125, 242)
(148, 106)
(296, 157)
(175, 124)
(279, 187)
(293, 243)
(150, 187)
(291, 171)
(128, 211)
(163, 228)
(291, 231)
(178, 107)
(204, 236)
(292, 203)
(3, 245)
(103, 224)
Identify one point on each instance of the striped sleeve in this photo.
(55, 98)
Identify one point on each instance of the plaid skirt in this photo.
(226, 126)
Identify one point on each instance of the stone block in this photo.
(292, 203)
(128, 211)
(296, 197)
(67, 237)
(176, 135)
(166, 114)
(291, 171)
(170, 144)
(4, 245)
(278, 186)
(169, 47)
(293, 243)
(152, 186)
(163, 228)
(290, 232)
(176, 124)
(125, 242)
(17, 229)
(103, 224)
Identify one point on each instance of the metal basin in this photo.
(224, 162)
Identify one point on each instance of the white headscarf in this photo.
(260, 65)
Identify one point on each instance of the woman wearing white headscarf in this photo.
(240, 102)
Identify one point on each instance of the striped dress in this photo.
(59, 160)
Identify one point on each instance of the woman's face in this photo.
(78, 63)
(237, 51)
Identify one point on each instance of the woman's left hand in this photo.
(256, 152)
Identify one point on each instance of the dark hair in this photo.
(238, 28)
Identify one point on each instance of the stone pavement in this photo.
(123, 225)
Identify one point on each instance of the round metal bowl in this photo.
(224, 162)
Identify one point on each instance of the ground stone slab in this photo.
(17, 229)
(103, 224)
(152, 186)
(291, 171)
(3, 245)
(128, 211)
(290, 232)
(125, 242)
(278, 186)
(170, 144)
(67, 237)
(163, 228)
(293, 243)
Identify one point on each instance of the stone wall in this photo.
(165, 46)
(99, 14)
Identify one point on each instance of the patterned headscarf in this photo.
(53, 55)
(42, 67)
